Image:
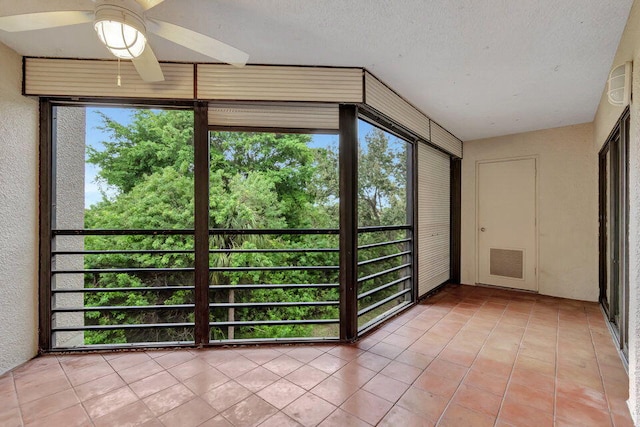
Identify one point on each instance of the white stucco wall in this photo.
(18, 216)
(567, 174)
(629, 50)
(70, 145)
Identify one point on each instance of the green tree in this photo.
(162, 200)
(382, 180)
(285, 160)
(324, 188)
(152, 141)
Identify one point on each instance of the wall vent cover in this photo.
(506, 263)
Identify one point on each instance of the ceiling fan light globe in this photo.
(121, 28)
(124, 41)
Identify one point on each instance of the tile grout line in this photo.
(595, 352)
(15, 390)
(181, 382)
(513, 366)
(557, 363)
(127, 385)
(338, 407)
(157, 417)
(230, 379)
(448, 342)
(41, 397)
(74, 391)
(423, 370)
(305, 390)
(278, 410)
(475, 358)
(469, 368)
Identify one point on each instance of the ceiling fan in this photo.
(122, 27)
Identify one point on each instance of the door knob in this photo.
(482, 229)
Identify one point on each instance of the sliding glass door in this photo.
(613, 209)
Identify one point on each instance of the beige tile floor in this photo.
(465, 357)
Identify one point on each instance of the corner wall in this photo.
(606, 116)
(567, 175)
(18, 216)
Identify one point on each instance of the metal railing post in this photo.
(201, 185)
(348, 172)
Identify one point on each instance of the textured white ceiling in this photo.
(479, 68)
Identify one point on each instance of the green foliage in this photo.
(153, 141)
(257, 181)
(382, 178)
(284, 161)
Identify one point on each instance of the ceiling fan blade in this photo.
(41, 20)
(148, 4)
(198, 42)
(147, 66)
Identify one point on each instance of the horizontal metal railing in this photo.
(379, 228)
(385, 273)
(136, 289)
(384, 283)
(124, 308)
(212, 231)
(191, 269)
(123, 252)
(281, 322)
(383, 258)
(277, 286)
(383, 287)
(377, 245)
(274, 304)
(191, 288)
(119, 327)
(160, 303)
(124, 270)
(383, 301)
(122, 232)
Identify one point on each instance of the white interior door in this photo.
(507, 252)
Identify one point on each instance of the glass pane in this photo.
(384, 255)
(261, 186)
(613, 225)
(122, 170)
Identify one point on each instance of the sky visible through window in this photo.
(95, 136)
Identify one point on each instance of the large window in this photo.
(122, 230)
(168, 230)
